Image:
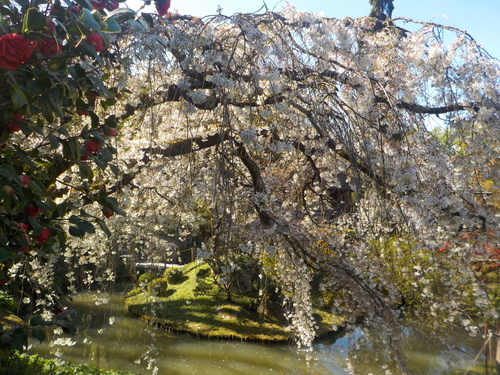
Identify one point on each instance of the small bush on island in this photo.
(158, 287)
(145, 278)
(174, 275)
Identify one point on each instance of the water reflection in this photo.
(112, 339)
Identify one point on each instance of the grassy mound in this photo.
(180, 309)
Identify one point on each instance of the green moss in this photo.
(212, 315)
(21, 364)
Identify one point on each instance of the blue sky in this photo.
(481, 18)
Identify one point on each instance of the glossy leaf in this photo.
(38, 334)
(34, 21)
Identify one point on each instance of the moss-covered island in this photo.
(182, 307)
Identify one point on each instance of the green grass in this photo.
(21, 364)
(213, 316)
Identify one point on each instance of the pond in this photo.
(112, 339)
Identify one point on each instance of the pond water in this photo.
(112, 339)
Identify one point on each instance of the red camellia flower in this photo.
(162, 6)
(25, 180)
(24, 227)
(42, 237)
(49, 47)
(104, 4)
(81, 112)
(13, 125)
(92, 145)
(110, 132)
(14, 51)
(95, 40)
(91, 94)
(108, 212)
(31, 209)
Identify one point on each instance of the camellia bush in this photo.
(59, 65)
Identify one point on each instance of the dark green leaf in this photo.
(19, 339)
(113, 203)
(37, 187)
(75, 231)
(149, 19)
(113, 26)
(84, 213)
(85, 171)
(62, 130)
(86, 226)
(5, 338)
(37, 320)
(122, 10)
(110, 121)
(34, 21)
(3, 238)
(104, 227)
(125, 16)
(10, 173)
(113, 169)
(18, 98)
(88, 20)
(54, 141)
(37, 130)
(101, 163)
(5, 253)
(94, 118)
(65, 314)
(71, 150)
(67, 326)
(74, 219)
(25, 158)
(106, 155)
(38, 334)
(43, 206)
(57, 65)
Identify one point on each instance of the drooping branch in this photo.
(416, 108)
(186, 146)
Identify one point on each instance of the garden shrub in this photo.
(174, 275)
(145, 278)
(158, 287)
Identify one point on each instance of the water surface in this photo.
(112, 339)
